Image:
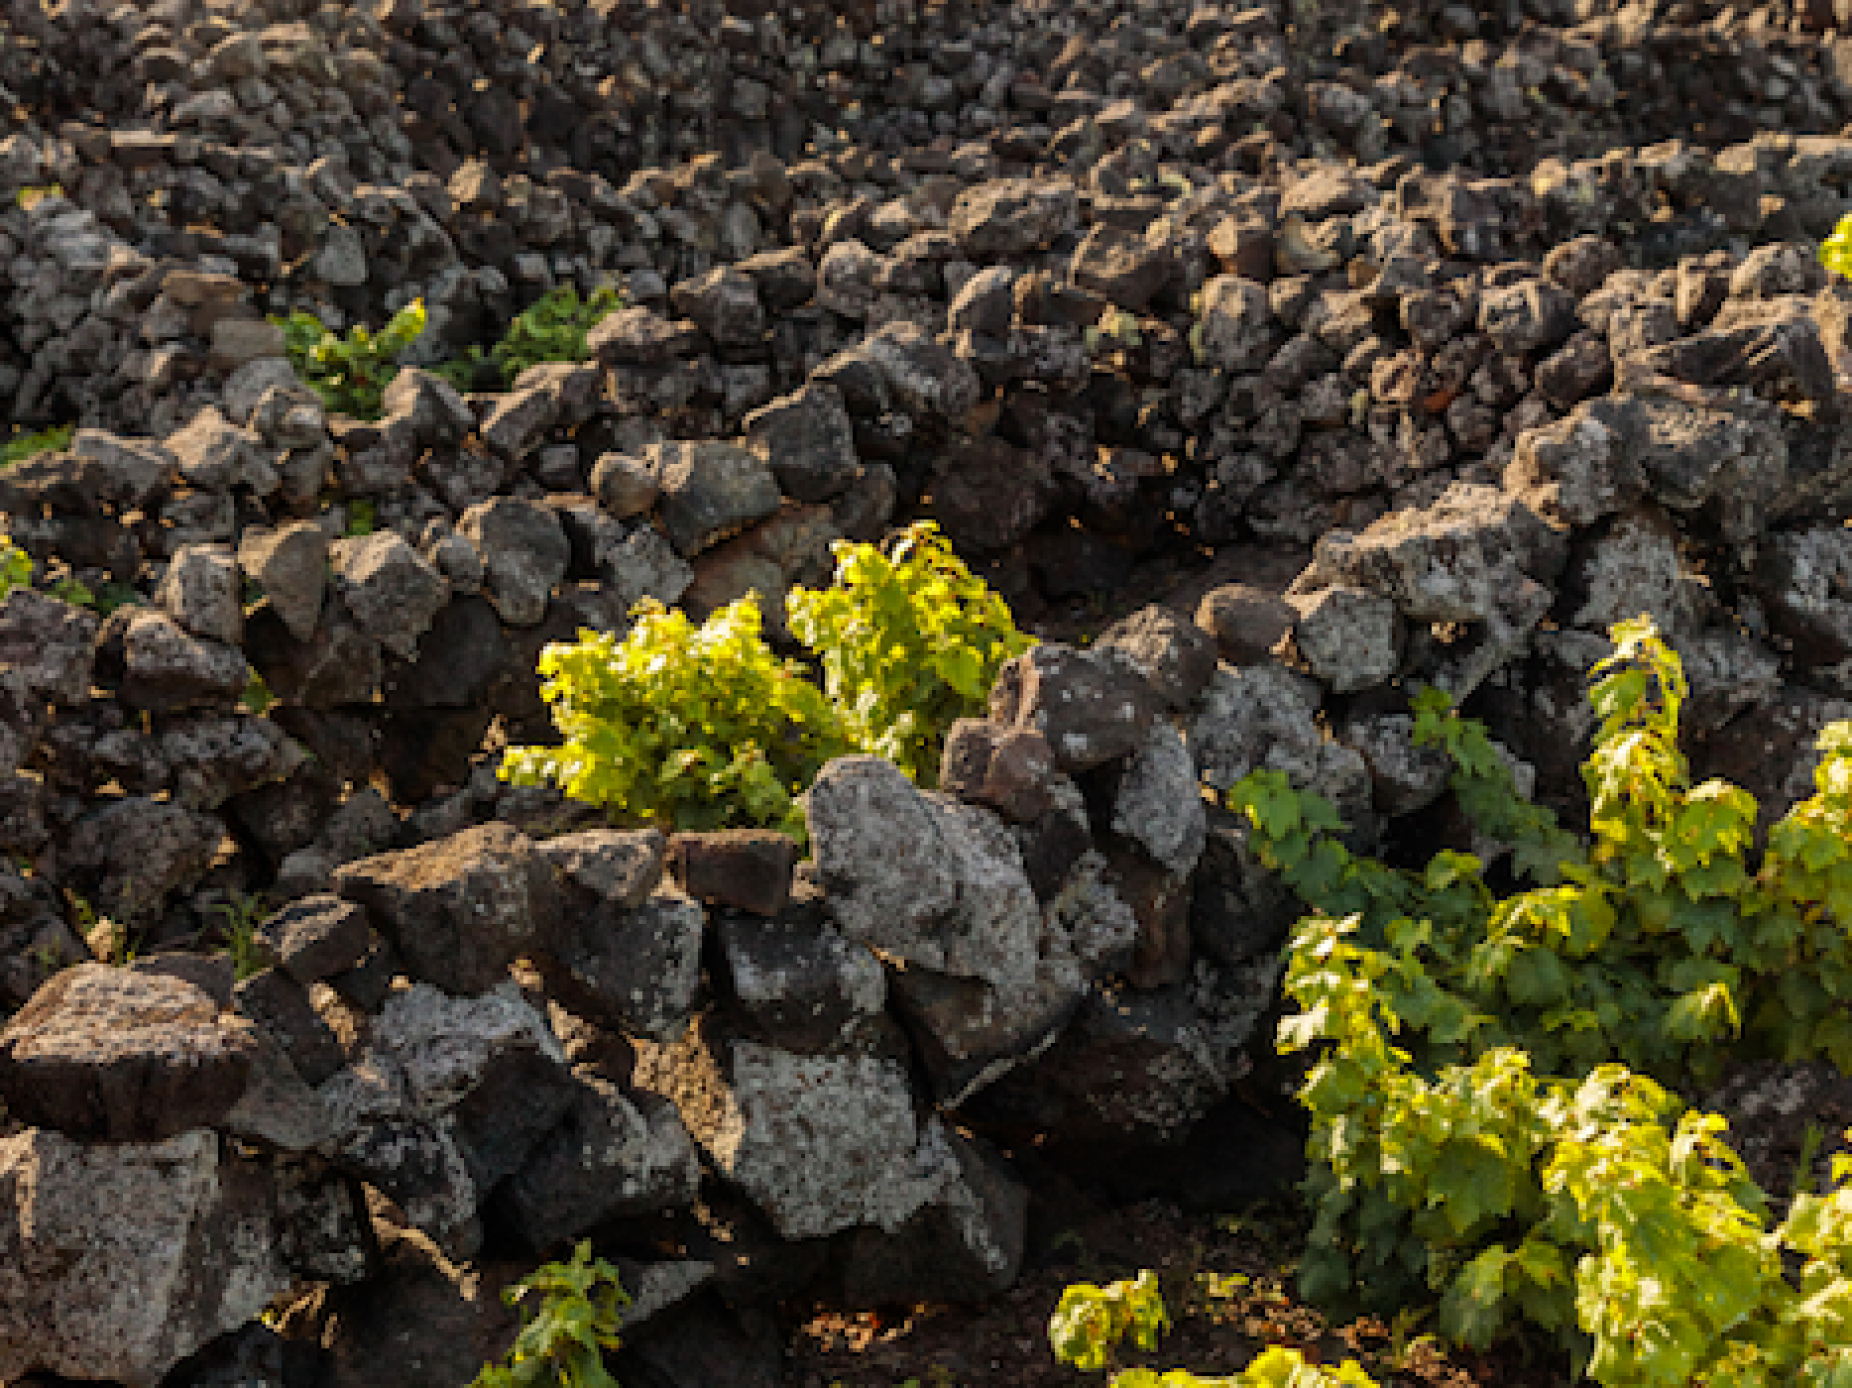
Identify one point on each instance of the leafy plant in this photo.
(553, 328)
(350, 373)
(1091, 1322)
(1836, 250)
(15, 566)
(362, 519)
(242, 915)
(908, 642)
(1458, 1152)
(698, 727)
(562, 1340)
(23, 446)
(702, 727)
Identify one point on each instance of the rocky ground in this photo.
(1270, 359)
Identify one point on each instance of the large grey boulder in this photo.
(821, 1143)
(118, 1261)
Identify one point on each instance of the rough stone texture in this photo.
(392, 591)
(749, 869)
(462, 909)
(450, 1096)
(819, 1143)
(1266, 717)
(1009, 769)
(807, 439)
(1091, 710)
(801, 984)
(1159, 806)
(638, 969)
(1175, 656)
(1246, 622)
(119, 1261)
(165, 669)
(104, 1054)
(47, 649)
(524, 553)
(608, 866)
(316, 936)
(888, 873)
(613, 1155)
(1807, 577)
(1348, 638)
(200, 591)
(710, 491)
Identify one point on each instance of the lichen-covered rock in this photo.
(1090, 709)
(801, 984)
(118, 1261)
(821, 1143)
(1348, 638)
(449, 1097)
(1265, 717)
(888, 874)
(1159, 805)
(636, 969)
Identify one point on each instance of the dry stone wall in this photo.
(1332, 351)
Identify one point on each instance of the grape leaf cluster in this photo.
(1091, 1322)
(704, 728)
(1494, 1082)
(350, 373)
(909, 642)
(562, 1340)
(553, 328)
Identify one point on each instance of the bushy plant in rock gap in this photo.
(1494, 1082)
(553, 328)
(702, 727)
(350, 372)
(562, 1340)
(909, 640)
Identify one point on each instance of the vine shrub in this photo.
(696, 727)
(563, 1339)
(553, 328)
(909, 642)
(350, 373)
(703, 727)
(1456, 1152)
(1091, 1322)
